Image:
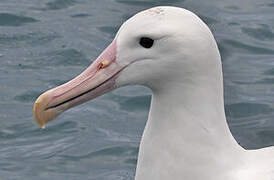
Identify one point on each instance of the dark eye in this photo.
(146, 42)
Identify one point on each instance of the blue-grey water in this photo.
(45, 43)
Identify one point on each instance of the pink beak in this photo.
(96, 80)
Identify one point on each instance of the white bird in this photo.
(173, 52)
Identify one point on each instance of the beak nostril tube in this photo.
(103, 64)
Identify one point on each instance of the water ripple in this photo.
(269, 72)
(239, 110)
(109, 30)
(271, 4)
(60, 4)
(208, 20)
(108, 154)
(263, 32)
(81, 15)
(31, 39)
(62, 57)
(28, 96)
(250, 48)
(265, 81)
(146, 3)
(7, 19)
(135, 103)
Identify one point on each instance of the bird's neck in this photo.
(195, 115)
(187, 128)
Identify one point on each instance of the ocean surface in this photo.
(46, 43)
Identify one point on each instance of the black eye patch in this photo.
(146, 42)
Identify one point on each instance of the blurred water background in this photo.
(45, 43)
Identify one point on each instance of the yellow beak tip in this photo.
(40, 115)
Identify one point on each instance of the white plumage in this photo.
(186, 136)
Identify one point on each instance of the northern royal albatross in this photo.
(173, 52)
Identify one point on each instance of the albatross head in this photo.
(161, 48)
